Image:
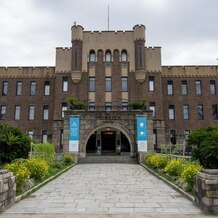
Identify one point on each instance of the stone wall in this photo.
(206, 191)
(7, 190)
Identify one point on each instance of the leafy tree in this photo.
(13, 143)
(205, 146)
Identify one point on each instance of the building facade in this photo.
(109, 70)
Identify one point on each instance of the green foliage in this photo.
(138, 104)
(188, 174)
(76, 104)
(157, 160)
(38, 168)
(205, 146)
(67, 158)
(21, 173)
(170, 149)
(13, 144)
(45, 151)
(175, 166)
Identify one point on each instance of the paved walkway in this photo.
(105, 189)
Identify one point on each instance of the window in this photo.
(31, 112)
(215, 111)
(63, 108)
(61, 138)
(171, 112)
(65, 84)
(212, 87)
(140, 56)
(200, 112)
(170, 87)
(47, 88)
(108, 56)
(44, 136)
(92, 57)
(123, 56)
(33, 88)
(173, 136)
(92, 84)
(151, 83)
(17, 112)
(124, 84)
(5, 88)
(108, 106)
(91, 106)
(185, 112)
(30, 134)
(125, 106)
(45, 113)
(3, 112)
(153, 108)
(19, 88)
(198, 87)
(184, 87)
(108, 84)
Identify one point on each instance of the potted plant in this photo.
(76, 104)
(138, 104)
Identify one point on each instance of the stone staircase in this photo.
(109, 158)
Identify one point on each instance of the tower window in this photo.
(108, 56)
(124, 56)
(92, 56)
(151, 83)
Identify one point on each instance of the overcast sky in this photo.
(187, 30)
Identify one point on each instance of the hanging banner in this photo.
(74, 125)
(142, 136)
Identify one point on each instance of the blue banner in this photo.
(142, 128)
(74, 129)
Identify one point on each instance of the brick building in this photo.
(108, 70)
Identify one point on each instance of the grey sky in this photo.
(185, 29)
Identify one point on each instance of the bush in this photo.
(175, 166)
(67, 158)
(38, 168)
(157, 160)
(45, 151)
(188, 174)
(148, 157)
(21, 173)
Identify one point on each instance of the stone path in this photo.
(106, 189)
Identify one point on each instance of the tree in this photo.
(13, 143)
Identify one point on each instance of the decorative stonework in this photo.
(7, 190)
(206, 191)
(140, 75)
(76, 76)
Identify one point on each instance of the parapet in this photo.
(139, 32)
(77, 32)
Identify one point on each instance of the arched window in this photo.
(124, 56)
(92, 56)
(108, 56)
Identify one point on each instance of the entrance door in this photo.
(91, 144)
(108, 139)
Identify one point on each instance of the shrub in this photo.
(175, 166)
(159, 161)
(45, 151)
(148, 157)
(67, 158)
(38, 168)
(188, 174)
(21, 173)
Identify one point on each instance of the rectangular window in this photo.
(47, 88)
(91, 106)
(65, 84)
(213, 87)
(3, 112)
(153, 108)
(19, 88)
(184, 87)
(108, 84)
(5, 88)
(170, 87)
(171, 112)
(44, 136)
(33, 88)
(45, 113)
(63, 108)
(173, 136)
(17, 112)
(92, 84)
(124, 84)
(31, 112)
(198, 87)
(108, 106)
(61, 138)
(151, 83)
(215, 111)
(30, 134)
(200, 112)
(185, 112)
(125, 106)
